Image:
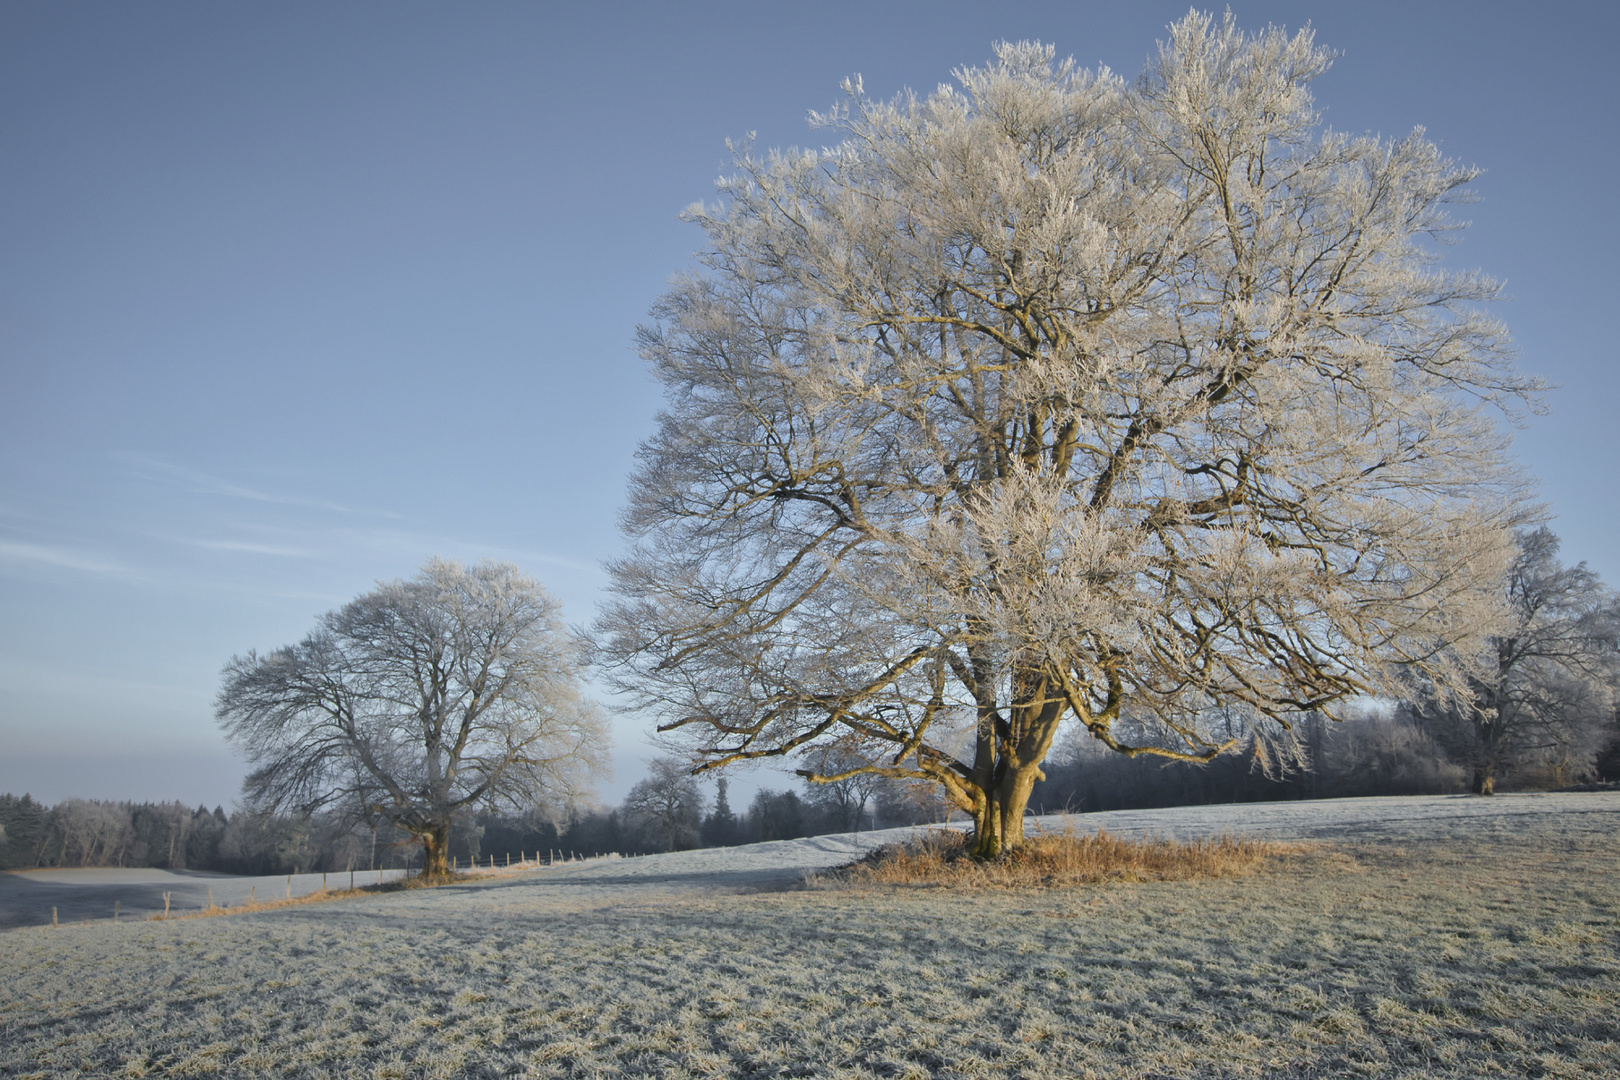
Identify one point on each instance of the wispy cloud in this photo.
(529, 556)
(55, 556)
(254, 549)
(202, 483)
(423, 544)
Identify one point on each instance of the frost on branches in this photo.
(1053, 395)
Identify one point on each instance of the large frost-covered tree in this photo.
(419, 702)
(1052, 395)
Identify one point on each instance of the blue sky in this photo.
(294, 296)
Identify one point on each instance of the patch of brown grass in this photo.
(940, 859)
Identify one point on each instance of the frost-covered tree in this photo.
(1546, 690)
(89, 832)
(1056, 396)
(667, 805)
(842, 787)
(419, 702)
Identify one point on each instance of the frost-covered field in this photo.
(1428, 937)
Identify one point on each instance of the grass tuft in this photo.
(940, 859)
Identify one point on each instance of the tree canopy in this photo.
(419, 702)
(1054, 395)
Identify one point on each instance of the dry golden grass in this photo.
(414, 881)
(214, 912)
(940, 859)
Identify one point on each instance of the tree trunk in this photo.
(998, 824)
(435, 853)
(1484, 780)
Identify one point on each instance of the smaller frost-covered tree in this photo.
(842, 785)
(1051, 397)
(667, 804)
(1544, 690)
(418, 703)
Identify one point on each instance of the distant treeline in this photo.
(1392, 753)
(84, 832)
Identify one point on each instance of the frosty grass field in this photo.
(1421, 937)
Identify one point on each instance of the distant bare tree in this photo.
(418, 702)
(1056, 396)
(842, 783)
(1545, 688)
(910, 802)
(776, 815)
(668, 804)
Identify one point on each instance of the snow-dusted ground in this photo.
(26, 898)
(1451, 937)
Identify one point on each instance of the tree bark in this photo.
(1484, 780)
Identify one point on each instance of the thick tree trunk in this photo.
(1008, 760)
(998, 825)
(1484, 780)
(435, 853)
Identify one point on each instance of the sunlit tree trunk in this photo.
(435, 853)
(1017, 746)
(998, 825)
